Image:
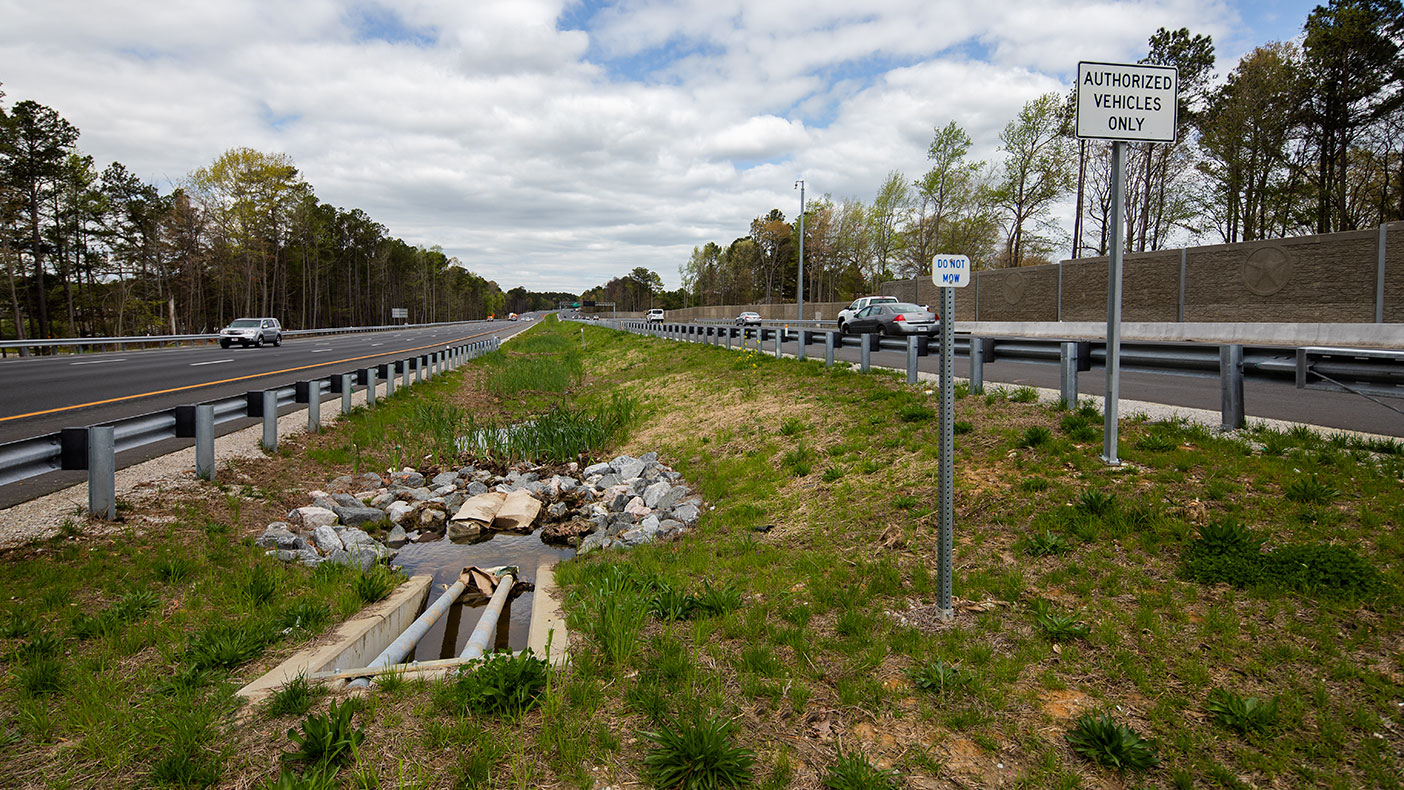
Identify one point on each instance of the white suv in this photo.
(251, 332)
(858, 304)
(655, 316)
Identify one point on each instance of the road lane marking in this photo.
(99, 361)
(210, 362)
(320, 350)
(236, 378)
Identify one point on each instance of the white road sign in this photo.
(1124, 101)
(950, 271)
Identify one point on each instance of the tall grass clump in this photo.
(508, 375)
(435, 427)
(561, 434)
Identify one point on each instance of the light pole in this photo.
(799, 292)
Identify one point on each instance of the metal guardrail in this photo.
(161, 340)
(73, 448)
(1366, 372)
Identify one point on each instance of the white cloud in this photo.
(558, 158)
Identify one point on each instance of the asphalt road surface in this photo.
(42, 395)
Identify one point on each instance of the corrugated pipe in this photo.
(405, 642)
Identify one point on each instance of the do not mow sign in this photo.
(1122, 101)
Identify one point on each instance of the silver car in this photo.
(251, 332)
(893, 318)
(748, 318)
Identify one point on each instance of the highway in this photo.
(44, 394)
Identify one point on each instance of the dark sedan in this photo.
(893, 318)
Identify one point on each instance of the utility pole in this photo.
(799, 292)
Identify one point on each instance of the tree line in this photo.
(104, 253)
(1300, 138)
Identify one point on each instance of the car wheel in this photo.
(258, 342)
(843, 328)
(277, 340)
(224, 344)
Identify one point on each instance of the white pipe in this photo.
(487, 624)
(405, 642)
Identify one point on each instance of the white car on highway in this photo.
(251, 332)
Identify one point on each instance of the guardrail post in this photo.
(346, 393)
(828, 349)
(728, 338)
(1067, 373)
(102, 472)
(370, 385)
(270, 420)
(314, 406)
(1231, 386)
(204, 442)
(803, 341)
(392, 370)
(865, 358)
(977, 366)
(911, 359)
(779, 339)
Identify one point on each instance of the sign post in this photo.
(1122, 102)
(948, 272)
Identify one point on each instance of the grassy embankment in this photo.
(1235, 602)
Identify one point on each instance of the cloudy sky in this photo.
(554, 144)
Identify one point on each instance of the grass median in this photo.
(1222, 611)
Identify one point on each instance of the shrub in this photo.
(1311, 491)
(1024, 395)
(328, 738)
(1097, 503)
(295, 697)
(697, 756)
(1114, 745)
(1035, 436)
(670, 603)
(1044, 543)
(1244, 714)
(915, 412)
(374, 583)
(939, 677)
(718, 600)
(1226, 551)
(853, 772)
(1058, 627)
(501, 684)
(225, 646)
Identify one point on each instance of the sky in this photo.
(556, 144)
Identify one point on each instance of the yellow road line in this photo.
(238, 378)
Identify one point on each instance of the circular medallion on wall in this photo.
(1267, 270)
(1014, 286)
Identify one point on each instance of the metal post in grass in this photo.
(728, 338)
(911, 359)
(945, 544)
(865, 353)
(102, 472)
(977, 366)
(949, 272)
(779, 341)
(370, 386)
(803, 341)
(204, 441)
(1067, 373)
(390, 378)
(314, 406)
(270, 420)
(828, 349)
(346, 387)
(1231, 387)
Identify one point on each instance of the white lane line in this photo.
(377, 344)
(320, 350)
(99, 361)
(210, 362)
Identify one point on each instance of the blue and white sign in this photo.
(950, 271)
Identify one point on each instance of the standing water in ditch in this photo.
(446, 559)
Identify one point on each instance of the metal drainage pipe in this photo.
(487, 624)
(405, 642)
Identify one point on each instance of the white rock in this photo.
(326, 540)
(399, 512)
(311, 517)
